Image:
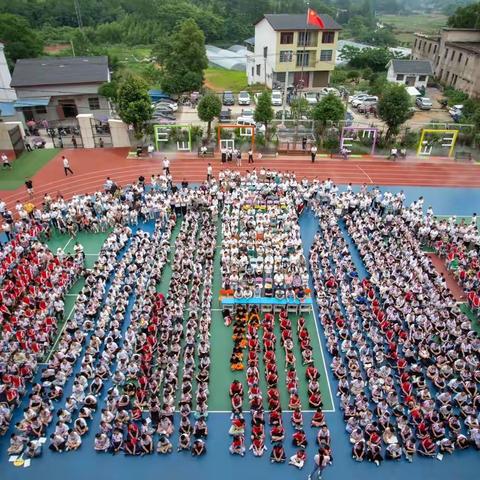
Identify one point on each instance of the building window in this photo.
(422, 78)
(253, 71)
(434, 49)
(326, 55)
(94, 103)
(415, 43)
(265, 52)
(446, 76)
(303, 59)
(466, 61)
(286, 38)
(460, 55)
(286, 56)
(400, 77)
(259, 66)
(40, 109)
(453, 55)
(328, 37)
(446, 53)
(429, 47)
(304, 39)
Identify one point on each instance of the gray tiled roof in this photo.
(59, 71)
(286, 21)
(420, 67)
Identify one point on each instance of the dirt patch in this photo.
(56, 48)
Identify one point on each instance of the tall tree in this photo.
(208, 109)
(264, 112)
(394, 107)
(184, 60)
(134, 104)
(329, 109)
(20, 40)
(466, 17)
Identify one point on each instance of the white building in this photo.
(413, 73)
(59, 88)
(7, 94)
(286, 49)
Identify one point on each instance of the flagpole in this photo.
(304, 44)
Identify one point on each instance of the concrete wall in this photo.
(392, 77)
(265, 36)
(119, 133)
(5, 142)
(85, 125)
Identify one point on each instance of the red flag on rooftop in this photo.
(313, 18)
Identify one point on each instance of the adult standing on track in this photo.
(166, 166)
(66, 166)
(29, 186)
(209, 172)
(313, 152)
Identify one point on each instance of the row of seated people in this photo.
(262, 249)
(459, 246)
(247, 326)
(31, 297)
(372, 334)
(38, 414)
(158, 344)
(102, 347)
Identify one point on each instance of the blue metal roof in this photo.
(7, 109)
(32, 102)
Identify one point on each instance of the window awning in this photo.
(32, 102)
(7, 109)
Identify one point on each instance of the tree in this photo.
(208, 108)
(184, 61)
(264, 112)
(329, 109)
(20, 40)
(134, 104)
(394, 108)
(465, 17)
(299, 108)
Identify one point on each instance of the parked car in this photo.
(279, 114)
(423, 103)
(356, 100)
(163, 109)
(244, 98)
(158, 115)
(225, 115)
(311, 98)
(366, 101)
(249, 122)
(367, 107)
(228, 98)
(277, 98)
(455, 111)
(172, 105)
(329, 91)
(247, 113)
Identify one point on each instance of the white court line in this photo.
(71, 295)
(248, 411)
(324, 359)
(67, 244)
(365, 173)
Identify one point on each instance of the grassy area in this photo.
(404, 26)
(132, 58)
(27, 165)
(474, 318)
(219, 79)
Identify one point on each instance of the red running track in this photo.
(91, 168)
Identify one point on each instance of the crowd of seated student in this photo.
(33, 284)
(405, 357)
(250, 323)
(158, 341)
(262, 249)
(39, 413)
(459, 245)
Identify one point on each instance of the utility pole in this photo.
(78, 13)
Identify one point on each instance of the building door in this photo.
(410, 81)
(297, 79)
(69, 108)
